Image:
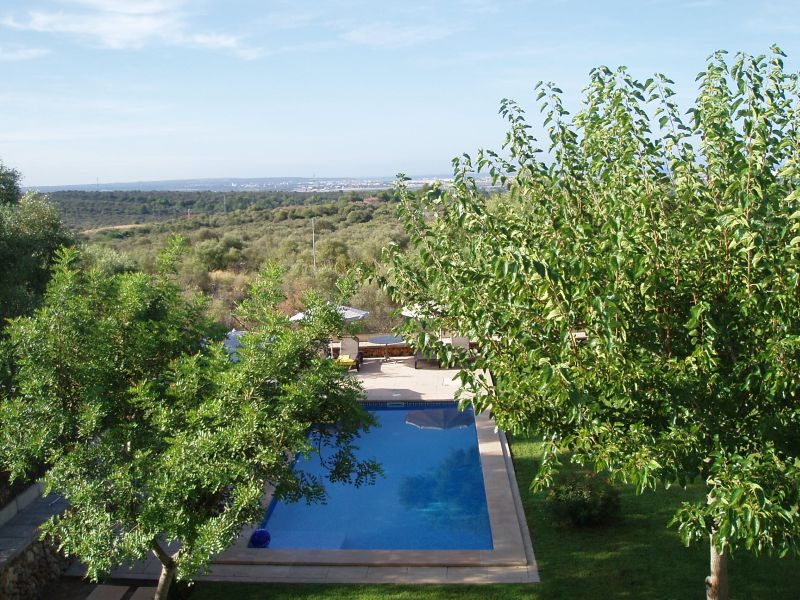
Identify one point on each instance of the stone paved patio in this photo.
(23, 528)
(397, 379)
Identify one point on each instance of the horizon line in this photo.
(110, 186)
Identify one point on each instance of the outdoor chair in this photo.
(349, 347)
(420, 356)
(460, 342)
(348, 361)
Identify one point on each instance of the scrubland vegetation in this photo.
(232, 235)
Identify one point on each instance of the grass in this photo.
(638, 557)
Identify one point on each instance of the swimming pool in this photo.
(432, 496)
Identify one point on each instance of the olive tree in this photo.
(635, 290)
(10, 191)
(30, 233)
(159, 442)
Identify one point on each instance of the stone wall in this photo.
(27, 564)
(31, 571)
(380, 351)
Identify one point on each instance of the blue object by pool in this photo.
(260, 539)
(431, 498)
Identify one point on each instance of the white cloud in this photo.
(113, 30)
(219, 41)
(304, 48)
(142, 7)
(291, 19)
(358, 22)
(123, 24)
(388, 35)
(7, 55)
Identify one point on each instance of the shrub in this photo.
(359, 216)
(107, 260)
(583, 499)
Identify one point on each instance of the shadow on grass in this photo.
(638, 556)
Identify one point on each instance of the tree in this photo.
(30, 233)
(635, 293)
(106, 260)
(159, 442)
(10, 192)
(333, 253)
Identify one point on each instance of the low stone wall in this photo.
(31, 572)
(376, 351)
(20, 502)
(29, 565)
(379, 351)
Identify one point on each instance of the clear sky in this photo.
(132, 90)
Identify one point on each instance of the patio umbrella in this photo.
(232, 342)
(439, 418)
(349, 314)
(417, 310)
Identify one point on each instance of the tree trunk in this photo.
(717, 587)
(168, 568)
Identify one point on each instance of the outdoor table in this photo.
(386, 341)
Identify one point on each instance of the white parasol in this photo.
(349, 314)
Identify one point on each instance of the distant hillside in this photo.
(256, 184)
(314, 237)
(91, 210)
(227, 248)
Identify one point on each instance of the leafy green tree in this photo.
(30, 233)
(635, 294)
(359, 215)
(10, 191)
(106, 260)
(159, 442)
(333, 253)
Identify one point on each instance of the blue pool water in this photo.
(431, 498)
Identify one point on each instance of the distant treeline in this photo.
(226, 249)
(82, 210)
(232, 235)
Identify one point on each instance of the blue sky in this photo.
(131, 90)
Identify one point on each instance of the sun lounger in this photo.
(348, 361)
(460, 342)
(420, 357)
(349, 347)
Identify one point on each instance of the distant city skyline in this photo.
(146, 90)
(269, 184)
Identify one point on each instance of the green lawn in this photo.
(636, 558)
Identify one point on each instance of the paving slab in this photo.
(108, 592)
(347, 574)
(144, 593)
(466, 575)
(397, 379)
(386, 574)
(306, 573)
(9, 548)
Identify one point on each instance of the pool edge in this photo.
(509, 528)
